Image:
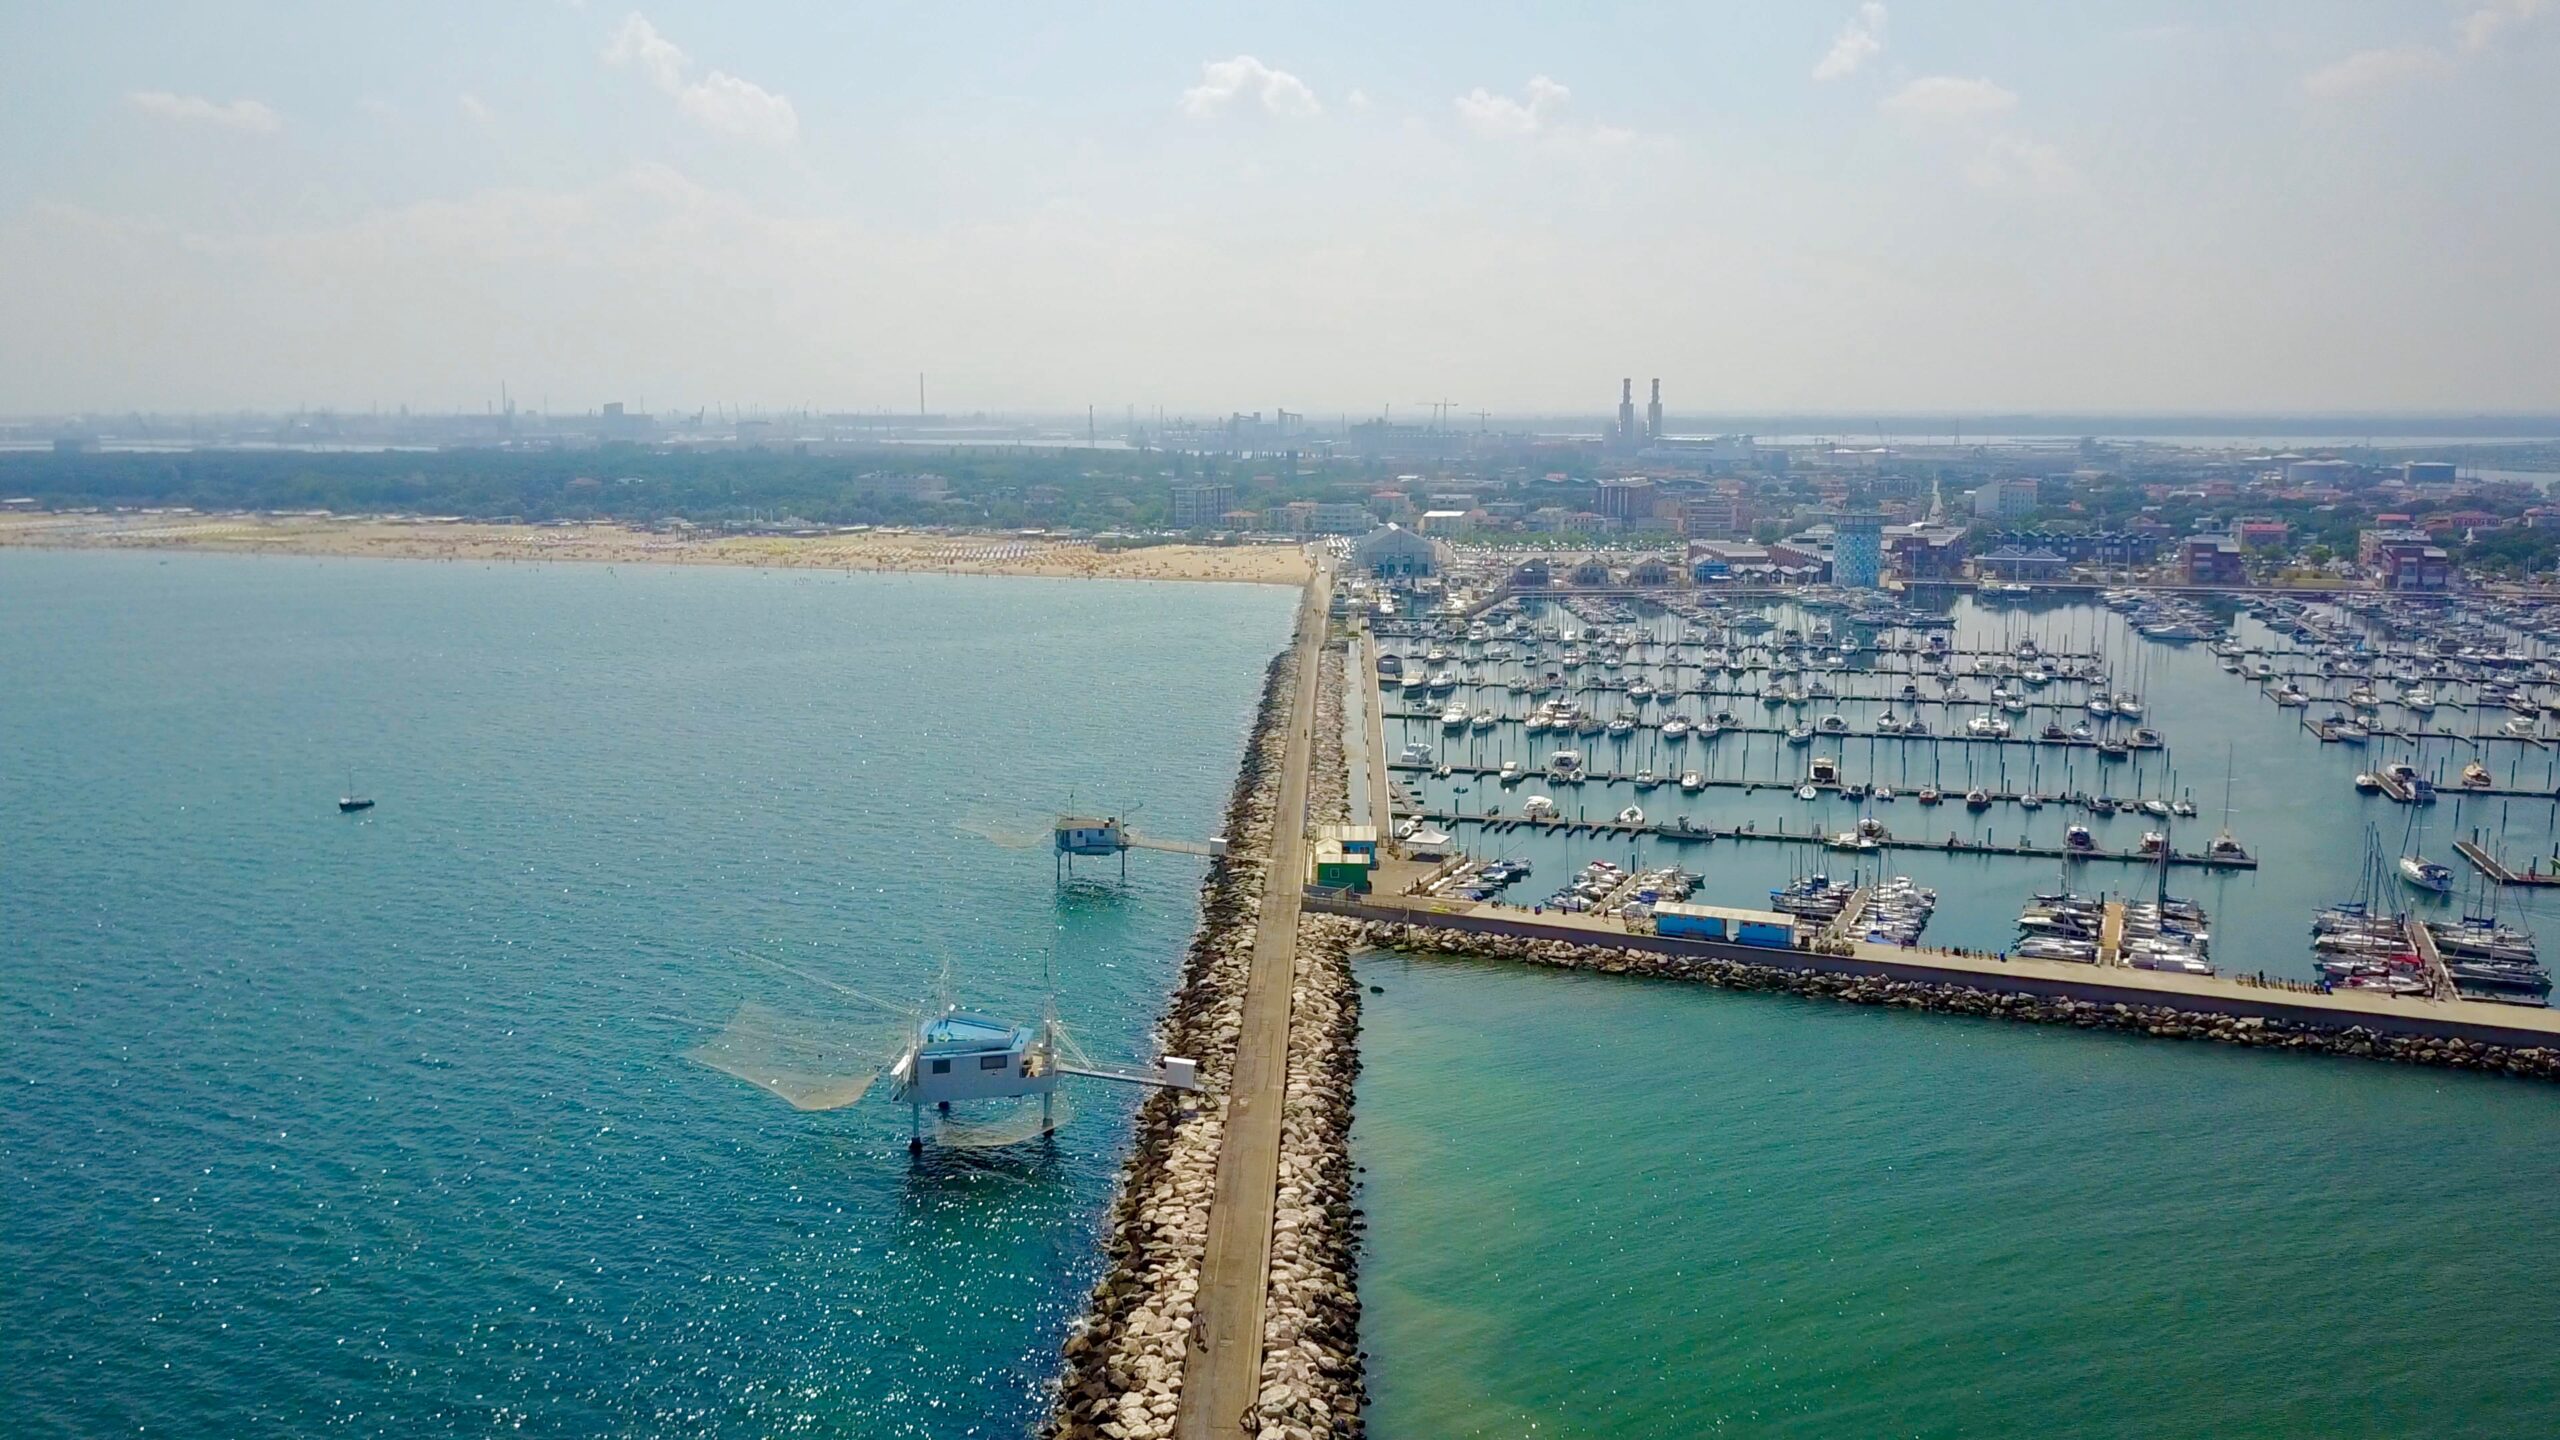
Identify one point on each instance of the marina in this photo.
(1554, 729)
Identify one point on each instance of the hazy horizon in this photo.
(2138, 208)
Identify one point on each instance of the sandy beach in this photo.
(955, 553)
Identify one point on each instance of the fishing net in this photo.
(811, 1064)
(1018, 1122)
(1005, 833)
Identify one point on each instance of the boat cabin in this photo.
(1084, 835)
(958, 1055)
(1823, 771)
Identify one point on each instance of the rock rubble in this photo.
(1311, 1384)
(2158, 1020)
(1123, 1373)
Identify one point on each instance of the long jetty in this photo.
(1455, 925)
(2067, 741)
(1222, 1369)
(1953, 845)
(1667, 781)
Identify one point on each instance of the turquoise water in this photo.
(1691, 1212)
(378, 1125)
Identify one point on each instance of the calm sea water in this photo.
(1689, 1212)
(378, 1125)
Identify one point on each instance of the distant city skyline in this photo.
(2324, 207)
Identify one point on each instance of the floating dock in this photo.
(2067, 742)
(1703, 834)
(2496, 869)
(1832, 788)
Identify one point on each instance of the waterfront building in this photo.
(1199, 507)
(1340, 518)
(2011, 562)
(1627, 501)
(2417, 568)
(2305, 474)
(2004, 499)
(1925, 552)
(2211, 560)
(2427, 472)
(1721, 517)
(1392, 552)
(1857, 550)
(2372, 545)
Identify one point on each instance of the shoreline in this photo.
(870, 551)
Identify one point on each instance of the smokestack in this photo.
(1653, 414)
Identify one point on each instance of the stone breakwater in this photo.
(2157, 1020)
(1311, 1384)
(1123, 1373)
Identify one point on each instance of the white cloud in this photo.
(1948, 97)
(1499, 117)
(2481, 28)
(2014, 162)
(719, 101)
(1225, 82)
(1859, 41)
(474, 109)
(2371, 70)
(245, 115)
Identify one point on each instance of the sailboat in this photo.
(2417, 869)
(351, 802)
(2225, 845)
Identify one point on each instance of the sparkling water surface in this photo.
(379, 1124)
(1696, 1212)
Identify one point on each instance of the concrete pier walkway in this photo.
(1222, 1370)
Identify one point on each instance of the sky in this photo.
(1913, 205)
